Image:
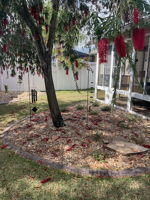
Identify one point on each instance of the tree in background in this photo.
(30, 28)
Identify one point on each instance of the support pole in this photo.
(130, 84)
(111, 66)
(87, 119)
(96, 76)
(29, 95)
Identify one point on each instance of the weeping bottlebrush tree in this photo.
(28, 32)
(29, 29)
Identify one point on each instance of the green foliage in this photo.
(95, 104)
(106, 108)
(79, 107)
(93, 112)
(131, 118)
(97, 136)
(98, 156)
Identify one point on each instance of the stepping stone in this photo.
(126, 148)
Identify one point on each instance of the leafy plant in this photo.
(97, 136)
(124, 124)
(79, 107)
(98, 156)
(93, 112)
(95, 104)
(106, 108)
(131, 118)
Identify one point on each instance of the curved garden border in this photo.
(79, 171)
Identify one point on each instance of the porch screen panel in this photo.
(104, 70)
(141, 67)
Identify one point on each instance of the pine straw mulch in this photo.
(80, 145)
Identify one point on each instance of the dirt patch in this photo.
(81, 145)
(7, 97)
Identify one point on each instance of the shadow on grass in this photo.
(20, 179)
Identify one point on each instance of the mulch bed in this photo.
(81, 145)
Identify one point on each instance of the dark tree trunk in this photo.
(45, 53)
(52, 100)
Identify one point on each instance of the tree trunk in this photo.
(52, 100)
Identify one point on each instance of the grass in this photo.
(20, 178)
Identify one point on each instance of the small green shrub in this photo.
(93, 112)
(131, 118)
(124, 124)
(79, 107)
(98, 156)
(106, 108)
(95, 104)
(97, 136)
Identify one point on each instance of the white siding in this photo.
(61, 80)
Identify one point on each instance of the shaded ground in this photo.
(20, 179)
(81, 145)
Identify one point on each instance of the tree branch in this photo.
(53, 24)
(26, 16)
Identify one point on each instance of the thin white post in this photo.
(111, 66)
(147, 64)
(96, 76)
(130, 84)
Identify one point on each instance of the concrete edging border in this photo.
(78, 171)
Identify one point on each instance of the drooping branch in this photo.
(36, 33)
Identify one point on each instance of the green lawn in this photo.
(20, 178)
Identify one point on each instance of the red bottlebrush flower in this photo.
(146, 146)
(103, 50)
(73, 21)
(45, 180)
(46, 118)
(84, 144)
(5, 22)
(46, 28)
(120, 46)
(76, 76)
(136, 16)
(138, 37)
(33, 11)
(71, 148)
(29, 126)
(76, 64)
(36, 16)
(45, 139)
(5, 48)
(3, 146)
(67, 71)
(69, 141)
